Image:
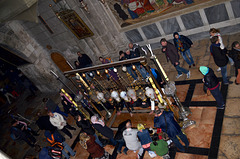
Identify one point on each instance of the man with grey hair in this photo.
(138, 49)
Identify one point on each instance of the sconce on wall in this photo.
(84, 5)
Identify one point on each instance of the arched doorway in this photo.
(60, 61)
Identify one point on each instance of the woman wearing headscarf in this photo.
(100, 126)
(95, 150)
(211, 82)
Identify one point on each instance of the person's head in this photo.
(61, 93)
(163, 42)
(50, 114)
(78, 118)
(140, 127)
(214, 40)
(101, 58)
(176, 35)
(128, 52)
(155, 138)
(121, 53)
(130, 45)
(213, 31)
(235, 45)
(159, 111)
(79, 53)
(44, 100)
(204, 70)
(129, 124)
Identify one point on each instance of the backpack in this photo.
(55, 152)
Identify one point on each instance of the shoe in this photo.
(152, 154)
(119, 152)
(229, 82)
(125, 152)
(188, 74)
(189, 66)
(219, 69)
(223, 107)
(194, 65)
(179, 75)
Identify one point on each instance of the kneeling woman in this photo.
(95, 150)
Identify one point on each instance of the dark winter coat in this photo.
(86, 127)
(171, 53)
(186, 42)
(173, 128)
(219, 55)
(210, 79)
(235, 54)
(121, 128)
(104, 130)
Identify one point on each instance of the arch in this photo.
(60, 61)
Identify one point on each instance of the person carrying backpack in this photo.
(58, 141)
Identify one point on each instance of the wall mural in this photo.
(129, 12)
(71, 19)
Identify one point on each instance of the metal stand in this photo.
(170, 90)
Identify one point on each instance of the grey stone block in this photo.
(236, 8)
(170, 26)
(134, 36)
(192, 20)
(156, 46)
(230, 29)
(216, 14)
(36, 30)
(199, 36)
(151, 31)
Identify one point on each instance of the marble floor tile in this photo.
(189, 156)
(231, 126)
(232, 107)
(182, 91)
(200, 95)
(229, 146)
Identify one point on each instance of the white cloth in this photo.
(58, 121)
(131, 140)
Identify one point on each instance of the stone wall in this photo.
(24, 46)
(194, 22)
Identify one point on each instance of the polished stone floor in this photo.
(215, 135)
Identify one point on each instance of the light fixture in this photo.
(84, 5)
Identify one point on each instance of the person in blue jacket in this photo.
(183, 45)
(165, 120)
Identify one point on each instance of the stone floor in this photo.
(216, 134)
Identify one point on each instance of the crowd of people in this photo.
(140, 139)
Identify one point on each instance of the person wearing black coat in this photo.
(235, 55)
(220, 58)
(172, 55)
(87, 128)
(211, 82)
(100, 126)
(119, 137)
(165, 120)
(183, 45)
(44, 124)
